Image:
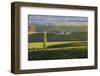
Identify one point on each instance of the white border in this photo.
(25, 64)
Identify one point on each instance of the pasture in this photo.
(57, 50)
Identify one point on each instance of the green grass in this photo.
(53, 37)
(57, 50)
(40, 44)
(32, 45)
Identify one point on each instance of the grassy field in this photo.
(57, 50)
(52, 37)
(40, 44)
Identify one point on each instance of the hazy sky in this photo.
(43, 19)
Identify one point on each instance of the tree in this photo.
(44, 39)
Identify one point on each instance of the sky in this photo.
(46, 19)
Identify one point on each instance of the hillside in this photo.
(74, 36)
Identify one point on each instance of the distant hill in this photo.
(66, 27)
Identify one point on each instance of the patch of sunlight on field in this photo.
(40, 44)
(35, 45)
